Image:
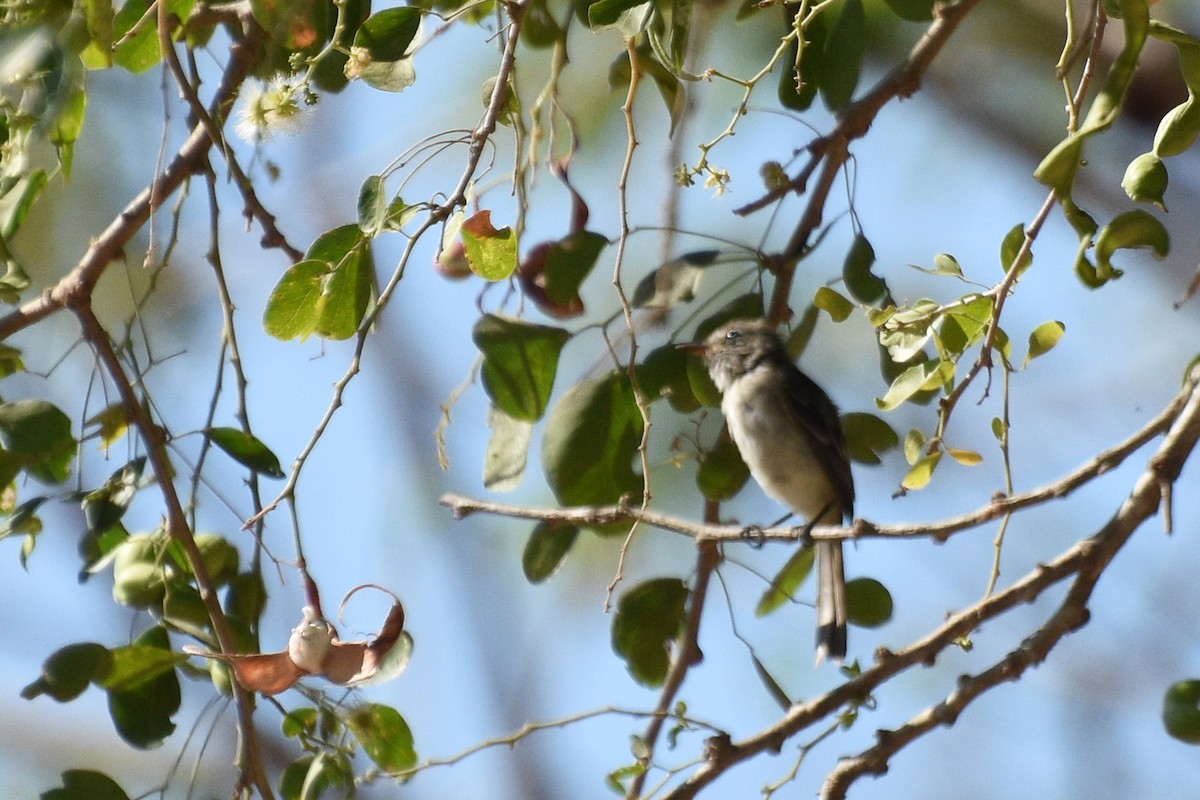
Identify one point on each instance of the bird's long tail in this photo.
(831, 602)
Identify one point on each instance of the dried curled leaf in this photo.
(314, 649)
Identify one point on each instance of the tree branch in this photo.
(111, 243)
(853, 123)
(1105, 461)
(178, 529)
(1087, 560)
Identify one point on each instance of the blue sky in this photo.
(493, 652)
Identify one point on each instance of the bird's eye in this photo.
(733, 336)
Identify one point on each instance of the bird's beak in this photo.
(698, 348)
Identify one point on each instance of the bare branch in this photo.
(861, 529)
(110, 244)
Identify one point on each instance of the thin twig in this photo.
(639, 396)
(211, 122)
(111, 243)
(1103, 462)
(178, 529)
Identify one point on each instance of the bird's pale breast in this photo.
(774, 447)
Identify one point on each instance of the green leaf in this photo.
(868, 437)
(785, 583)
(384, 736)
(907, 384)
(387, 34)
(912, 10)
(664, 373)
(604, 14)
(247, 450)
(142, 712)
(964, 325)
(922, 472)
(308, 777)
(299, 721)
(491, 252)
(1181, 711)
(372, 206)
(599, 418)
(86, 784)
(722, 472)
(868, 602)
(649, 619)
(38, 435)
(100, 24)
(569, 261)
(346, 291)
(539, 28)
(140, 52)
(1043, 339)
(10, 360)
(246, 597)
(14, 215)
(135, 665)
(914, 445)
(546, 549)
(291, 311)
(835, 305)
(520, 361)
(1132, 229)
(69, 670)
(864, 285)
(844, 55)
(327, 293)
(802, 331)
(946, 264)
(507, 451)
(1011, 246)
(68, 125)
(1146, 180)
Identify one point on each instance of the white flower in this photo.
(271, 109)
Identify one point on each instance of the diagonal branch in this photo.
(1086, 560)
(853, 123)
(189, 160)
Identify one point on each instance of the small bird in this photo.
(788, 432)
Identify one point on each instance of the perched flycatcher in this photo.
(788, 432)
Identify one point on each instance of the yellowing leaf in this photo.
(1043, 339)
(491, 252)
(922, 472)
